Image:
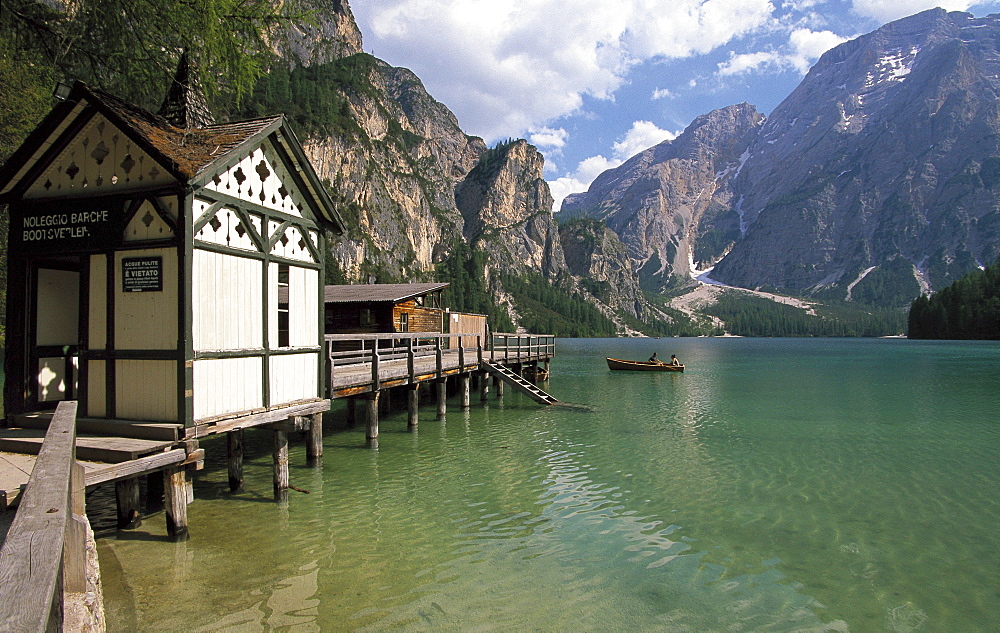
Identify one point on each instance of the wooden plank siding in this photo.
(419, 318)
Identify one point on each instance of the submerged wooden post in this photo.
(127, 496)
(484, 379)
(371, 417)
(498, 383)
(234, 454)
(314, 447)
(441, 384)
(280, 457)
(175, 501)
(412, 404)
(463, 386)
(352, 412)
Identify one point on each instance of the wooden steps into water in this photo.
(524, 386)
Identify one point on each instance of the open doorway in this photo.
(54, 339)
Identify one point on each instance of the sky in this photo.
(591, 83)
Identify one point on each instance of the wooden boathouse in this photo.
(167, 278)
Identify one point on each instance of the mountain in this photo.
(665, 200)
(874, 180)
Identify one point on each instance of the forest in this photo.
(755, 316)
(967, 309)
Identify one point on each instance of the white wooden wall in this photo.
(227, 385)
(146, 390)
(294, 377)
(147, 320)
(227, 302)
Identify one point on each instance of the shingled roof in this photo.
(191, 154)
(365, 293)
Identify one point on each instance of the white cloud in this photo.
(504, 66)
(804, 47)
(642, 135)
(662, 93)
(548, 139)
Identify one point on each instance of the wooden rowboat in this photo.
(636, 365)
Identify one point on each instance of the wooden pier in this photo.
(359, 367)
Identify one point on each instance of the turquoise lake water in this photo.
(776, 485)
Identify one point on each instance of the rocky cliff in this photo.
(666, 199)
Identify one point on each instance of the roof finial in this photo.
(185, 105)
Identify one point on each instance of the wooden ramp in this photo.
(522, 385)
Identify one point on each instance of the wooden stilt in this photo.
(154, 492)
(314, 447)
(127, 495)
(442, 396)
(280, 457)
(412, 404)
(499, 385)
(463, 385)
(175, 502)
(484, 382)
(371, 419)
(385, 400)
(234, 452)
(352, 412)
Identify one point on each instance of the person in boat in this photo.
(673, 360)
(656, 361)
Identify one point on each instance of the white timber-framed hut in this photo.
(145, 261)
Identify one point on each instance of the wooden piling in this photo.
(314, 447)
(127, 496)
(442, 397)
(175, 501)
(412, 404)
(371, 417)
(484, 383)
(280, 458)
(463, 385)
(498, 383)
(234, 454)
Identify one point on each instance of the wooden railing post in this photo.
(440, 357)
(410, 371)
(479, 348)
(375, 361)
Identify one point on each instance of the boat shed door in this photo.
(53, 355)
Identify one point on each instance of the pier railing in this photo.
(349, 351)
(44, 556)
(516, 346)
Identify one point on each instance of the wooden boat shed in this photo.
(380, 308)
(145, 264)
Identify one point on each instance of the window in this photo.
(366, 316)
(284, 339)
(404, 322)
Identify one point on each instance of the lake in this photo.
(776, 485)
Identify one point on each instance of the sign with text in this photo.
(53, 229)
(142, 274)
